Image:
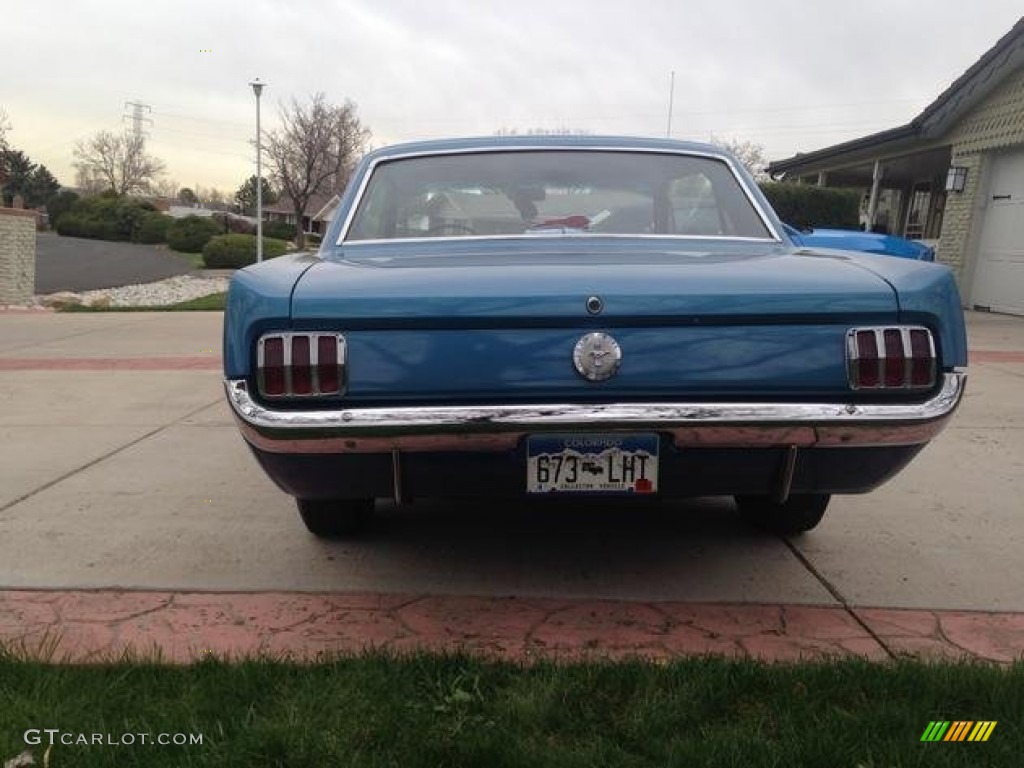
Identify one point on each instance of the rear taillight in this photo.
(272, 366)
(301, 364)
(893, 357)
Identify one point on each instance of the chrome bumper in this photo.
(501, 427)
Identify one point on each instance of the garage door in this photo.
(999, 279)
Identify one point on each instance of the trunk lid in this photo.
(468, 324)
(460, 285)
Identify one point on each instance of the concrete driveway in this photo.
(78, 264)
(120, 467)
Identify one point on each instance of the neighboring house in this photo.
(954, 174)
(319, 212)
(322, 218)
(181, 211)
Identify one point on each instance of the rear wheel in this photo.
(333, 518)
(796, 514)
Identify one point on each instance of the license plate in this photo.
(592, 464)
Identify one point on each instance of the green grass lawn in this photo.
(213, 302)
(449, 711)
(195, 259)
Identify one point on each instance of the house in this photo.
(955, 174)
(319, 212)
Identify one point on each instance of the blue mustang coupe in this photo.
(866, 242)
(578, 317)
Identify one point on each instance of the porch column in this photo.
(876, 183)
(17, 255)
(822, 178)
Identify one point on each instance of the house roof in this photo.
(285, 204)
(980, 79)
(327, 207)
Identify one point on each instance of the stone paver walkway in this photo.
(85, 626)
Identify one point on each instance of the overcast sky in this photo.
(791, 75)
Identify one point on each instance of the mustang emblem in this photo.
(597, 356)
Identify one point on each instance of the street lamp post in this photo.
(257, 88)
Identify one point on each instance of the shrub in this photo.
(190, 234)
(313, 238)
(60, 204)
(76, 225)
(154, 228)
(803, 206)
(235, 251)
(105, 217)
(231, 223)
(279, 229)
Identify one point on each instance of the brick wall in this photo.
(17, 255)
(996, 123)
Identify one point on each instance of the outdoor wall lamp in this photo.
(956, 178)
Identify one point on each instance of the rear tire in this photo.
(798, 514)
(336, 518)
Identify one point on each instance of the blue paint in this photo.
(864, 242)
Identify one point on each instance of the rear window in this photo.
(551, 192)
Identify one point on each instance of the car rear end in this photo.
(584, 363)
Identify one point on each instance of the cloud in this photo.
(788, 74)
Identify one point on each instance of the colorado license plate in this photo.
(592, 464)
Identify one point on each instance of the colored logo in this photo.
(958, 730)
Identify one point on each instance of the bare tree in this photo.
(315, 151)
(211, 197)
(117, 163)
(166, 188)
(750, 154)
(5, 126)
(87, 183)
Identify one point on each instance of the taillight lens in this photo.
(894, 357)
(302, 374)
(301, 364)
(272, 368)
(895, 360)
(328, 373)
(866, 372)
(922, 354)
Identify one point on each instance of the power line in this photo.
(215, 137)
(202, 119)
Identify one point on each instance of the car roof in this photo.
(546, 142)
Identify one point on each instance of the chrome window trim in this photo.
(500, 427)
(364, 182)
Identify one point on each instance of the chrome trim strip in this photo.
(364, 182)
(287, 337)
(560, 236)
(908, 360)
(501, 427)
(882, 352)
(786, 477)
(396, 475)
(314, 356)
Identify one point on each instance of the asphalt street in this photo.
(79, 264)
(120, 467)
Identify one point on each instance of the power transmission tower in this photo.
(137, 118)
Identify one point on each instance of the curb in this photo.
(182, 627)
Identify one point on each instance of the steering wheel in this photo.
(450, 228)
